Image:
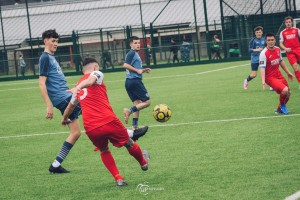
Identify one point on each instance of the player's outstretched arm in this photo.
(43, 89)
(263, 77)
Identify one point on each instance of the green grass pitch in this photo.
(222, 142)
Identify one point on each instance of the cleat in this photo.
(284, 110)
(127, 113)
(147, 158)
(278, 111)
(245, 84)
(58, 170)
(121, 183)
(137, 133)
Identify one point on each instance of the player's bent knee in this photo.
(104, 149)
(129, 143)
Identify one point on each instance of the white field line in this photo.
(158, 77)
(294, 196)
(166, 124)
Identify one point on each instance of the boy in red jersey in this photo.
(269, 61)
(99, 120)
(289, 41)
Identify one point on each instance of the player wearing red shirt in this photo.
(99, 120)
(289, 41)
(269, 61)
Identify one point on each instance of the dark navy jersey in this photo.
(256, 43)
(133, 59)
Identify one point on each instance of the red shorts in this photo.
(114, 131)
(294, 56)
(277, 83)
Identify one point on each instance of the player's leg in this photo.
(281, 87)
(292, 57)
(135, 151)
(100, 137)
(140, 98)
(252, 75)
(75, 133)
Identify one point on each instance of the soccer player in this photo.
(99, 120)
(289, 41)
(53, 87)
(133, 84)
(256, 45)
(269, 61)
(52, 84)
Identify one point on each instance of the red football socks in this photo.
(136, 152)
(110, 164)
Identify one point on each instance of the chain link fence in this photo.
(101, 29)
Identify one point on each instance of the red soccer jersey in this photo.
(270, 59)
(96, 109)
(290, 37)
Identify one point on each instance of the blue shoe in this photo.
(284, 110)
(278, 111)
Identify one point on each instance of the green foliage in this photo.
(222, 142)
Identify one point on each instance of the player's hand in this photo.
(139, 71)
(147, 70)
(288, 49)
(259, 49)
(65, 121)
(291, 76)
(74, 91)
(49, 112)
(264, 86)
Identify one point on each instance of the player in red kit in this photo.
(289, 41)
(269, 61)
(99, 120)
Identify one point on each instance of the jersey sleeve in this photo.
(44, 65)
(251, 45)
(281, 39)
(129, 57)
(99, 76)
(262, 60)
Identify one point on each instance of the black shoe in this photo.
(137, 133)
(121, 183)
(57, 170)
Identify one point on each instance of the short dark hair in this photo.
(50, 34)
(288, 17)
(258, 28)
(134, 38)
(87, 61)
(270, 35)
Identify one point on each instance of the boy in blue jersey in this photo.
(256, 45)
(52, 84)
(133, 84)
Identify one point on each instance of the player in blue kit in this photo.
(256, 45)
(133, 84)
(53, 87)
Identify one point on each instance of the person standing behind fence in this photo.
(174, 49)
(22, 65)
(185, 50)
(289, 41)
(256, 45)
(216, 48)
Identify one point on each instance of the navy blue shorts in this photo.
(63, 105)
(254, 66)
(136, 90)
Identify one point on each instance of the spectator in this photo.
(22, 65)
(174, 50)
(216, 48)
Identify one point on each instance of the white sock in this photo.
(130, 133)
(55, 163)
